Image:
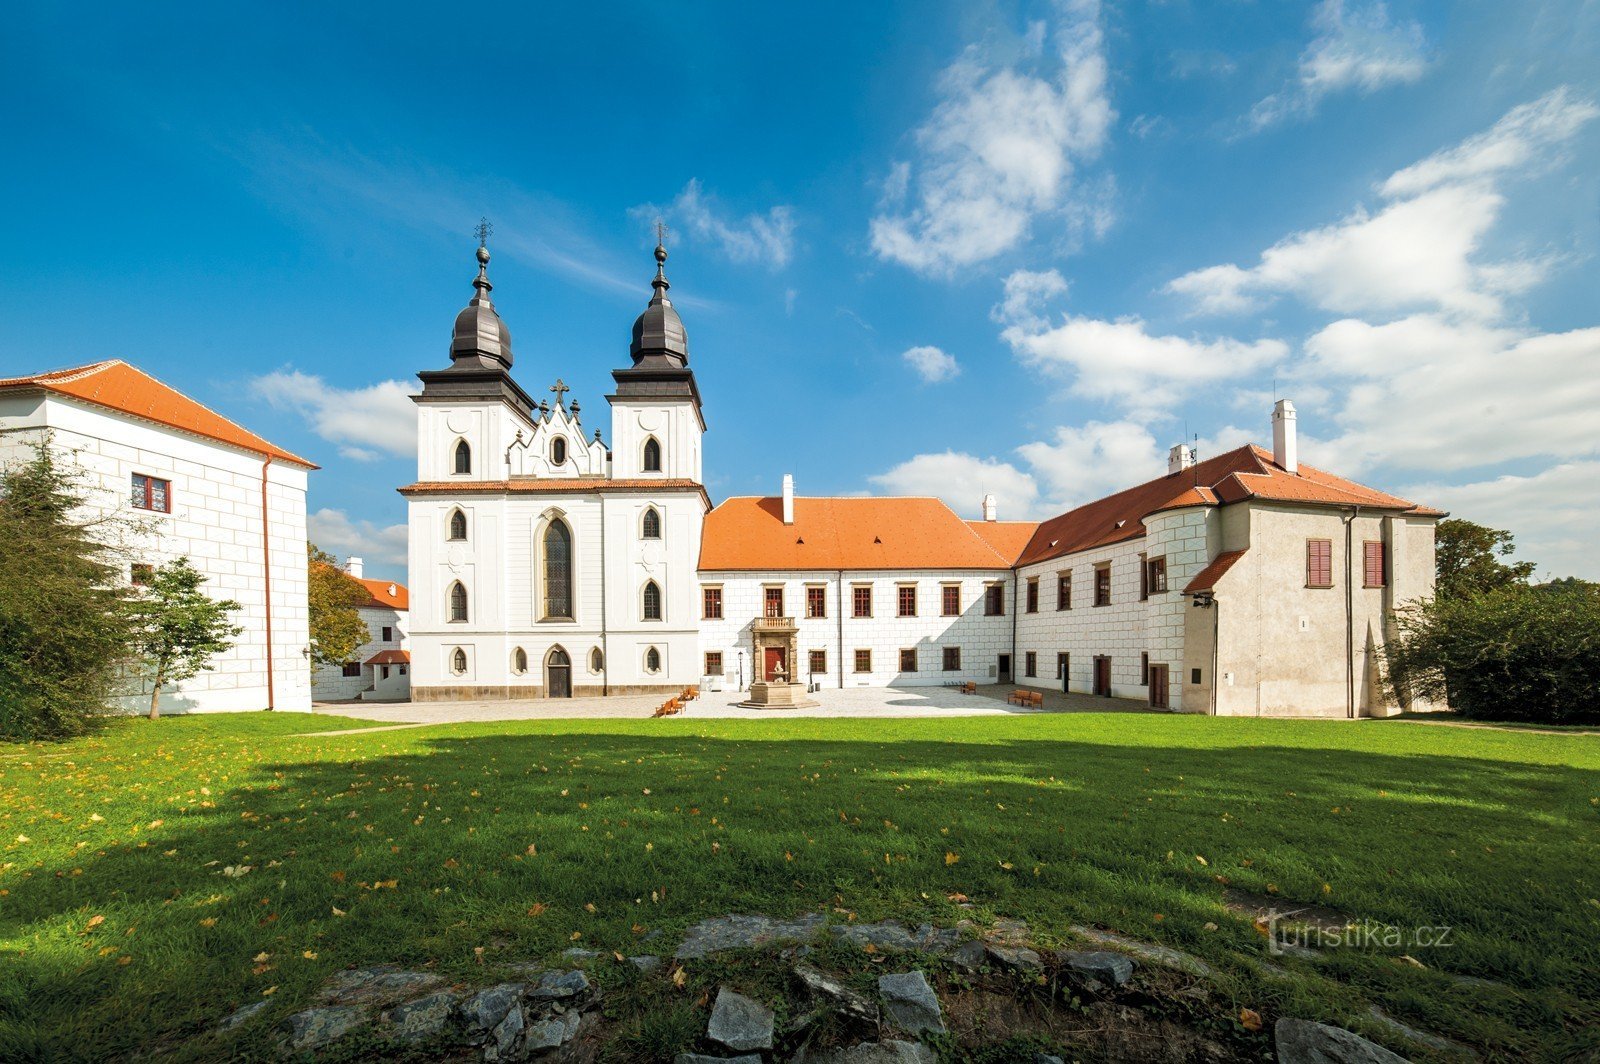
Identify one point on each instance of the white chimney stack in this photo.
(990, 508)
(1285, 449)
(788, 498)
(1181, 457)
(353, 567)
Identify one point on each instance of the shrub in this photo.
(1517, 653)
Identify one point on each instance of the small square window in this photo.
(1030, 663)
(712, 599)
(951, 595)
(861, 601)
(151, 493)
(816, 602)
(1033, 595)
(713, 663)
(1064, 590)
(908, 660)
(819, 662)
(952, 659)
(352, 669)
(994, 600)
(863, 661)
(906, 598)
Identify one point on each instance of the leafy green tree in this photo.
(1515, 653)
(1468, 559)
(63, 588)
(334, 596)
(178, 628)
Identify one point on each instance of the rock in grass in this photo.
(1309, 1042)
(911, 1003)
(558, 986)
(970, 956)
(241, 1016)
(378, 986)
(701, 1058)
(315, 1028)
(841, 999)
(1096, 969)
(505, 1041)
(886, 1052)
(740, 1023)
(483, 1012)
(1019, 959)
(1047, 1058)
(646, 964)
(1165, 956)
(745, 932)
(424, 1018)
(556, 1031)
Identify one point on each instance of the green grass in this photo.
(121, 928)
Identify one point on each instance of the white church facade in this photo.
(549, 562)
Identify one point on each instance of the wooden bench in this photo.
(969, 688)
(668, 708)
(1026, 698)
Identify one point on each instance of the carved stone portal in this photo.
(775, 641)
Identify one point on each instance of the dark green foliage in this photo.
(1519, 653)
(63, 637)
(177, 627)
(1467, 559)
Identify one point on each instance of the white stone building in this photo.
(380, 668)
(547, 563)
(200, 487)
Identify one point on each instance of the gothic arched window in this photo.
(652, 524)
(652, 455)
(652, 660)
(458, 525)
(558, 570)
(463, 457)
(652, 601)
(519, 661)
(558, 450)
(458, 602)
(458, 661)
(597, 660)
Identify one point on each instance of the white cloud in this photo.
(962, 480)
(932, 364)
(1525, 139)
(758, 239)
(335, 532)
(1000, 148)
(1027, 292)
(1419, 252)
(367, 423)
(1356, 47)
(1552, 514)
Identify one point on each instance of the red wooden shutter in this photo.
(1373, 560)
(1319, 562)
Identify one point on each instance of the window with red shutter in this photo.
(1319, 563)
(1373, 566)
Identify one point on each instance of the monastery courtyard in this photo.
(990, 700)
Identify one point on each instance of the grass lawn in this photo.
(157, 876)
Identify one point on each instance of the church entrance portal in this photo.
(557, 674)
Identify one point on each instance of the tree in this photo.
(63, 589)
(1467, 558)
(334, 597)
(178, 628)
(1514, 653)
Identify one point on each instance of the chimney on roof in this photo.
(1285, 449)
(353, 567)
(788, 498)
(990, 508)
(1181, 457)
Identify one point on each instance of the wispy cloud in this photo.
(760, 239)
(367, 423)
(1358, 48)
(340, 535)
(931, 364)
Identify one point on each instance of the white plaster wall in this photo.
(676, 424)
(981, 638)
(489, 429)
(216, 521)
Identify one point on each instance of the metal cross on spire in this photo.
(661, 232)
(561, 389)
(484, 230)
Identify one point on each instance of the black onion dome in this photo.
(479, 334)
(658, 333)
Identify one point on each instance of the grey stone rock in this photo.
(505, 1041)
(554, 1032)
(646, 964)
(745, 932)
(483, 1012)
(936, 939)
(1146, 951)
(970, 956)
(1405, 1030)
(1309, 1042)
(1009, 932)
(740, 1023)
(426, 1017)
(578, 954)
(885, 1052)
(559, 986)
(315, 1028)
(1019, 959)
(378, 986)
(701, 1058)
(910, 1002)
(1096, 968)
(888, 935)
(1047, 1058)
(840, 998)
(241, 1016)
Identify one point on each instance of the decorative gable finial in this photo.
(561, 389)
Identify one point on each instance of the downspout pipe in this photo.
(1350, 614)
(605, 640)
(1016, 607)
(839, 618)
(1216, 648)
(266, 575)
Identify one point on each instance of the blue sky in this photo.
(940, 248)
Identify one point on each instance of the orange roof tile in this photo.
(1233, 476)
(1006, 538)
(386, 593)
(1207, 578)
(854, 534)
(389, 657)
(115, 385)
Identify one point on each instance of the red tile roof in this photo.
(1206, 579)
(1234, 476)
(386, 594)
(389, 657)
(853, 534)
(115, 385)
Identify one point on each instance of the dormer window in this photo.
(652, 524)
(463, 458)
(652, 455)
(558, 451)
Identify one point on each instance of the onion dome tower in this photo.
(659, 348)
(480, 350)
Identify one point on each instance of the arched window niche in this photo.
(458, 601)
(462, 459)
(650, 527)
(458, 525)
(652, 601)
(458, 661)
(652, 660)
(652, 455)
(558, 581)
